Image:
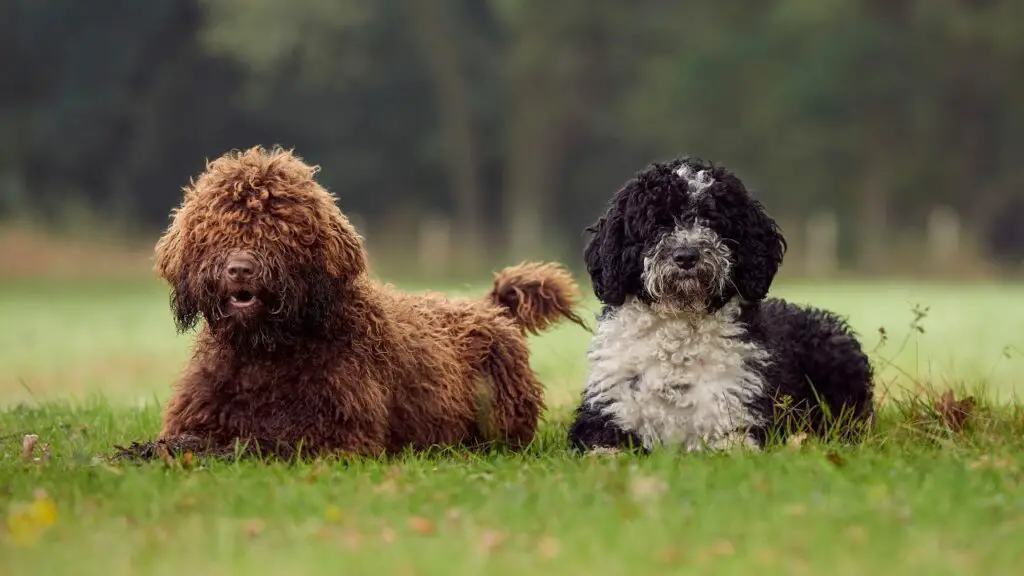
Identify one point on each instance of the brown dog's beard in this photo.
(184, 306)
(292, 309)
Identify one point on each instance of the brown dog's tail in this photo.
(536, 295)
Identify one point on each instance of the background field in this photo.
(85, 366)
(64, 340)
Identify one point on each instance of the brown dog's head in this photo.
(259, 249)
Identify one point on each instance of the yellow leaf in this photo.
(332, 514)
(44, 512)
(21, 527)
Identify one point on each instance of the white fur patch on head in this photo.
(676, 379)
(697, 182)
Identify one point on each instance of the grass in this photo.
(86, 365)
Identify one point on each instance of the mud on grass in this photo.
(923, 493)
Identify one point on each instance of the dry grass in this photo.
(29, 253)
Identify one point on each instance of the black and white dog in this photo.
(688, 352)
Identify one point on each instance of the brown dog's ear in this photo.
(343, 248)
(170, 266)
(167, 257)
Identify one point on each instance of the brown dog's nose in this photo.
(240, 268)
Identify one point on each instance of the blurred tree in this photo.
(524, 117)
(453, 94)
(108, 112)
(343, 85)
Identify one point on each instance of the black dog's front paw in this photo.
(593, 431)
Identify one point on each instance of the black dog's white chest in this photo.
(675, 380)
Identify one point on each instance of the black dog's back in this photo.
(819, 375)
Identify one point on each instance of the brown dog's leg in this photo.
(325, 417)
(510, 397)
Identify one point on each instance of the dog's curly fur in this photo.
(300, 349)
(688, 349)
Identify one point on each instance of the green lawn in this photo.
(85, 366)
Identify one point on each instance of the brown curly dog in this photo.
(300, 348)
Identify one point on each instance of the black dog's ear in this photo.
(760, 252)
(593, 259)
(184, 304)
(595, 254)
(614, 258)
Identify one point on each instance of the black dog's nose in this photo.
(240, 268)
(686, 258)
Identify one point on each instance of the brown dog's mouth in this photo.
(242, 299)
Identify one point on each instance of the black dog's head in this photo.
(686, 235)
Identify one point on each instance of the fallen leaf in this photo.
(796, 440)
(28, 446)
(44, 453)
(835, 459)
(421, 525)
(388, 486)
(489, 541)
(129, 521)
(670, 556)
(315, 472)
(21, 529)
(548, 547)
(722, 548)
(164, 455)
(453, 515)
(768, 555)
(44, 511)
(388, 535)
(111, 469)
(253, 527)
(795, 510)
(351, 539)
(26, 523)
(987, 462)
(954, 413)
(332, 514)
(647, 487)
(857, 534)
(760, 485)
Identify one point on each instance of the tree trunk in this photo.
(528, 166)
(873, 211)
(550, 68)
(455, 107)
